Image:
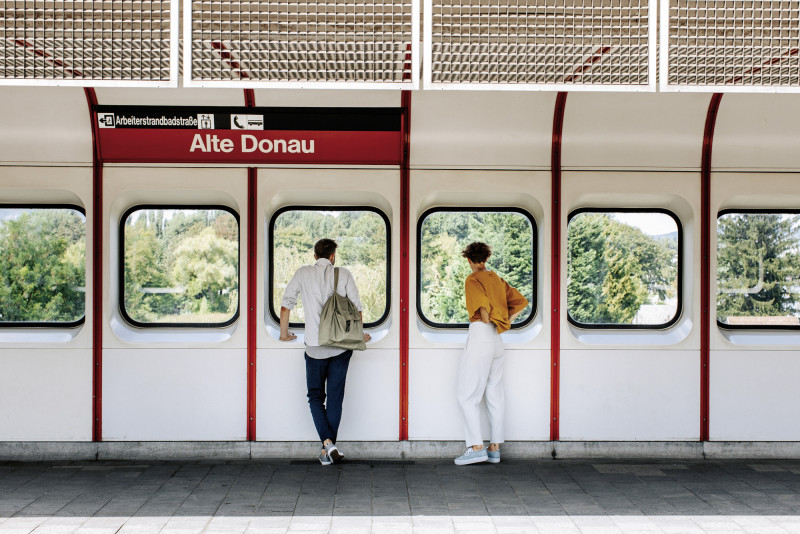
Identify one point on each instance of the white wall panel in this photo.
(500, 130)
(627, 395)
(174, 394)
(757, 131)
(329, 98)
(45, 125)
(195, 96)
(46, 395)
(433, 409)
(642, 131)
(180, 96)
(371, 401)
(754, 396)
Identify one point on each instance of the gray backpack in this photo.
(340, 323)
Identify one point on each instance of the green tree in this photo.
(586, 266)
(207, 267)
(757, 265)
(614, 268)
(42, 266)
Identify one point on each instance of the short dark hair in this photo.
(477, 252)
(324, 248)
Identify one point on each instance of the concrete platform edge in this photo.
(39, 451)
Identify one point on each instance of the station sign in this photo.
(334, 136)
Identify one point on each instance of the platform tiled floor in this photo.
(569, 496)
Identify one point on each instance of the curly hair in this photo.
(477, 252)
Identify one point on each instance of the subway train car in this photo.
(155, 200)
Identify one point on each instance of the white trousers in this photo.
(481, 372)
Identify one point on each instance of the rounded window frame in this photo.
(679, 290)
(121, 273)
(51, 324)
(482, 209)
(754, 327)
(271, 263)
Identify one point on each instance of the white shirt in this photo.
(314, 284)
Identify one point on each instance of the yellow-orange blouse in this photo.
(486, 289)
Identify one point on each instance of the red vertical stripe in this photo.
(252, 189)
(705, 269)
(97, 272)
(555, 267)
(252, 265)
(404, 262)
(249, 98)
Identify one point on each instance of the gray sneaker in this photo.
(324, 459)
(472, 457)
(494, 457)
(334, 454)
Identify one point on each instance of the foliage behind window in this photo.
(444, 234)
(361, 236)
(758, 269)
(622, 268)
(181, 266)
(42, 265)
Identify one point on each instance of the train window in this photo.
(758, 269)
(442, 234)
(362, 235)
(179, 266)
(42, 265)
(623, 268)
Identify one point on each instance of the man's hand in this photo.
(285, 334)
(288, 336)
(367, 337)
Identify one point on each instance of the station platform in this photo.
(401, 496)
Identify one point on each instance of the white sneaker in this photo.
(472, 457)
(333, 453)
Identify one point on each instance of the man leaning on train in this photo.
(315, 285)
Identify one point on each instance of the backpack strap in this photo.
(335, 278)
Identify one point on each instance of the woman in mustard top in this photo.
(492, 305)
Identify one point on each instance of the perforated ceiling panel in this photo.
(89, 43)
(730, 45)
(314, 43)
(540, 44)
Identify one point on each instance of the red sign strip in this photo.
(253, 147)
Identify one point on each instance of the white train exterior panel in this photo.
(185, 394)
(45, 394)
(506, 130)
(45, 125)
(757, 132)
(754, 395)
(646, 131)
(630, 395)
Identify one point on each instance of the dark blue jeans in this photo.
(334, 371)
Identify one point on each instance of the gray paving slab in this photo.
(425, 496)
